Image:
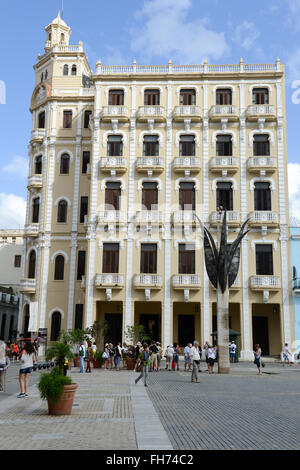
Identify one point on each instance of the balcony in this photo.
(37, 136)
(149, 217)
(147, 281)
(35, 182)
(113, 164)
(235, 286)
(104, 281)
(224, 164)
(31, 230)
(111, 216)
(232, 218)
(265, 282)
(115, 112)
(151, 112)
(258, 218)
(186, 281)
(187, 112)
(185, 217)
(28, 286)
(296, 287)
(186, 164)
(149, 164)
(258, 164)
(257, 111)
(219, 112)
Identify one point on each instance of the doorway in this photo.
(113, 332)
(186, 329)
(260, 331)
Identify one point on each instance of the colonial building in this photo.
(123, 164)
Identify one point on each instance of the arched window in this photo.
(187, 97)
(224, 196)
(46, 74)
(261, 145)
(59, 268)
(31, 265)
(64, 164)
(187, 196)
(149, 196)
(66, 69)
(41, 120)
(116, 97)
(38, 165)
(151, 97)
(112, 196)
(62, 37)
(260, 96)
(35, 210)
(262, 196)
(224, 145)
(26, 320)
(49, 37)
(55, 326)
(42, 76)
(74, 70)
(62, 211)
(223, 96)
(187, 146)
(151, 146)
(114, 146)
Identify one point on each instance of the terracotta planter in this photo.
(77, 361)
(130, 362)
(64, 405)
(98, 365)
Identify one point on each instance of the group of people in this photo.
(14, 350)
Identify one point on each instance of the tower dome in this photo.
(57, 33)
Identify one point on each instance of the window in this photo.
(42, 76)
(187, 196)
(224, 146)
(17, 261)
(261, 145)
(26, 320)
(187, 146)
(38, 165)
(112, 196)
(59, 268)
(87, 115)
(67, 121)
(78, 316)
(264, 260)
(187, 97)
(110, 262)
(149, 196)
(80, 265)
(41, 120)
(74, 70)
(62, 211)
(116, 97)
(85, 161)
(151, 98)
(148, 258)
(46, 74)
(66, 69)
(83, 208)
(223, 96)
(262, 197)
(114, 146)
(3, 325)
(151, 146)
(224, 196)
(64, 164)
(35, 210)
(186, 259)
(260, 96)
(62, 37)
(55, 326)
(31, 265)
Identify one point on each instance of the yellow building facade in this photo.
(123, 164)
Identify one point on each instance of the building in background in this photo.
(11, 252)
(122, 163)
(295, 262)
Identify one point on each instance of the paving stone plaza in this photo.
(239, 411)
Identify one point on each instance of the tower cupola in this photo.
(57, 33)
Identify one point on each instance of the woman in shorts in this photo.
(211, 355)
(27, 359)
(257, 358)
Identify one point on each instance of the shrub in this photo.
(51, 385)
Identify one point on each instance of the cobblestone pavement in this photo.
(237, 411)
(101, 418)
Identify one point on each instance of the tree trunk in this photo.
(223, 331)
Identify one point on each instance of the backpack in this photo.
(81, 352)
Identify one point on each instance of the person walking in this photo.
(187, 358)
(4, 364)
(27, 359)
(195, 359)
(232, 350)
(211, 355)
(82, 356)
(153, 358)
(105, 356)
(90, 357)
(257, 358)
(94, 348)
(175, 362)
(205, 347)
(169, 357)
(117, 356)
(286, 355)
(111, 355)
(143, 358)
(36, 347)
(159, 352)
(124, 349)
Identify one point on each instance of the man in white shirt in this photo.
(232, 349)
(195, 360)
(187, 359)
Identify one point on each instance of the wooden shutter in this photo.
(186, 259)
(187, 97)
(116, 98)
(148, 258)
(187, 146)
(31, 265)
(151, 146)
(67, 123)
(80, 265)
(83, 208)
(85, 161)
(262, 197)
(224, 196)
(187, 196)
(151, 97)
(224, 146)
(224, 97)
(261, 145)
(110, 263)
(264, 259)
(114, 146)
(149, 196)
(112, 196)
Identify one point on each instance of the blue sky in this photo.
(150, 31)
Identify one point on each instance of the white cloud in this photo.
(163, 30)
(17, 166)
(245, 34)
(294, 189)
(12, 211)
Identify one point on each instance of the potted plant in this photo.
(77, 337)
(129, 356)
(98, 362)
(54, 386)
(134, 334)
